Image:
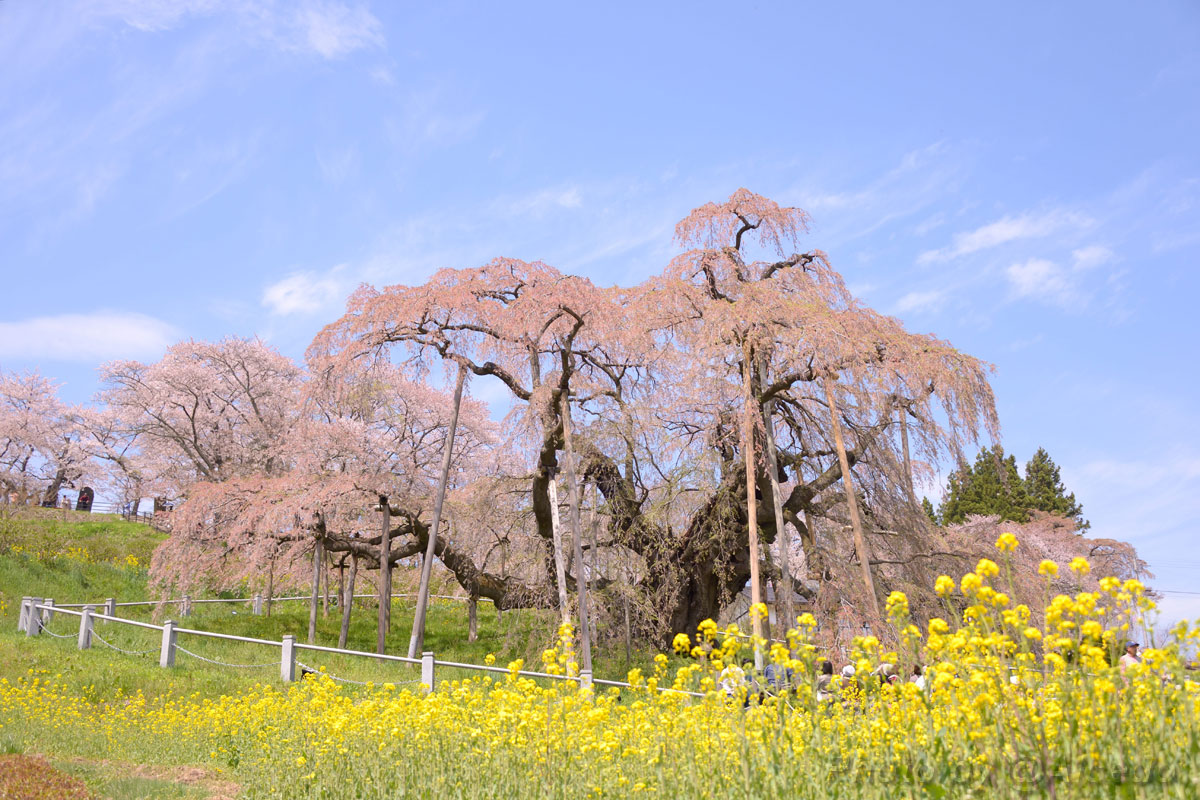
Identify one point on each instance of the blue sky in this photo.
(1022, 179)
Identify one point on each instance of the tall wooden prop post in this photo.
(748, 414)
(560, 569)
(785, 540)
(347, 601)
(418, 632)
(385, 576)
(585, 635)
(316, 590)
(860, 541)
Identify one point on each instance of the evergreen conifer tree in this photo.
(927, 507)
(992, 486)
(1043, 485)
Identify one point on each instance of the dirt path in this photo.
(32, 778)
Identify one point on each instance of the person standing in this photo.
(1131, 656)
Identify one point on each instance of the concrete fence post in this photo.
(427, 671)
(287, 662)
(110, 607)
(187, 605)
(166, 658)
(258, 605)
(85, 627)
(23, 618)
(585, 679)
(48, 613)
(33, 622)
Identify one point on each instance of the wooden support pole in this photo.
(560, 569)
(573, 495)
(348, 601)
(748, 414)
(316, 588)
(472, 618)
(271, 579)
(417, 641)
(385, 577)
(860, 541)
(784, 538)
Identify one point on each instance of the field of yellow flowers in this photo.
(1012, 706)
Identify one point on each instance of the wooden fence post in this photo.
(287, 663)
(427, 671)
(472, 620)
(85, 627)
(23, 617)
(166, 656)
(33, 622)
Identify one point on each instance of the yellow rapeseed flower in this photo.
(1006, 543)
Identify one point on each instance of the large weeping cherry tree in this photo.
(740, 419)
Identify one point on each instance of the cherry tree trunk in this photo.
(348, 601)
(751, 501)
(417, 640)
(385, 577)
(860, 541)
(585, 635)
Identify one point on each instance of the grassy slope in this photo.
(42, 557)
(104, 674)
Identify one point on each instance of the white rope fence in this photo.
(183, 649)
(52, 633)
(112, 646)
(32, 622)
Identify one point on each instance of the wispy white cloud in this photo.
(304, 293)
(1094, 255)
(327, 28)
(86, 338)
(333, 29)
(433, 116)
(1039, 278)
(1008, 229)
(1071, 287)
(921, 301)
(339, 164)
(538, 203)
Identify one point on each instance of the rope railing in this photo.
(32, 623)
(120, 649)
(183, 649)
